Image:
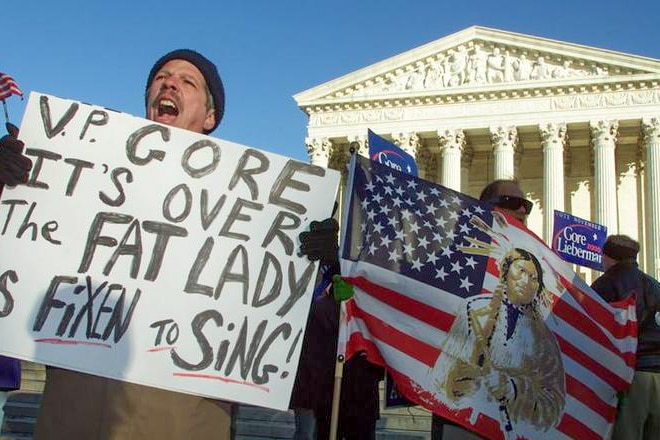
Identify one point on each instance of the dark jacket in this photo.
(315, 378)
(618, 283)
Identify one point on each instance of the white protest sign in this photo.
(156, 255)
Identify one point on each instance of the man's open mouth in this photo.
(167, 107)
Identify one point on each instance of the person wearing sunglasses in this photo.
(507, 196)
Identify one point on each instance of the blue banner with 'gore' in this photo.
(578, 241)
(385, 152)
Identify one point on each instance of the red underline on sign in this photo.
(223, 379)
(59, 341)
(155, 349)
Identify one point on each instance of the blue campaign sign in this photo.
(385, 152)
(578, 241)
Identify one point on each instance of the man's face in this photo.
(522, 282)
(511, 189)
(608, 262)
(177, 97)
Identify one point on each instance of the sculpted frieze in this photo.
(356, 116)
(612, 99)
(476, 64)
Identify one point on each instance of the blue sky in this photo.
(100, 52)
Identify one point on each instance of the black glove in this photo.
(321, 242)
(14, 167)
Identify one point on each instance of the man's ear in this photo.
(209, 122)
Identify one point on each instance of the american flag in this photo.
(8, 87)
(425, 261)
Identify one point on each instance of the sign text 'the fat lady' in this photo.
(156, 255)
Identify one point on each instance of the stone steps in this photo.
(252, 423)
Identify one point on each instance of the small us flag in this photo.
(8, 87)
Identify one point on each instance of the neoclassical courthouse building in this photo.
(579, 127)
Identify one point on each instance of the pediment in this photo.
(482, 60)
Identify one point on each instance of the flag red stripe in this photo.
(590, 364)
(358, 343)
(600, 313)
(491, 267)
(416, 309)
(579, 321)
(573, 428)
(425, 353)
(589, 398)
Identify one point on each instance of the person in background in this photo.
(359, 402)
(506, 196)
(639, 409)
(183, 90)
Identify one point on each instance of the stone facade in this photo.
(578, 126)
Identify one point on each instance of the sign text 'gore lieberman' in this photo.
(578, 241)
(156, 255)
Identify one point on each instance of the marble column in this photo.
(466, 164)
(651, 132)
(452, 144)
(553, 142)
(603, 139)
(504, 141)
(319, 150)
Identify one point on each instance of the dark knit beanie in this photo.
(209, 71)
(620, 247)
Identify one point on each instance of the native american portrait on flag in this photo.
(500, 345)
(474, 316)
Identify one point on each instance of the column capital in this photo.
(504, 137)
(409, 142)
(650, 129)
(318, 150)
(553, 134)
(603, 132)
(451, 139)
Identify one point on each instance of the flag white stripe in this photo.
(400, 320)
(587, 416)
(396, 359)
(606, 358)
(589, 380)
(432, 296)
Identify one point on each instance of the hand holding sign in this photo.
(14, 166)
(321, 241)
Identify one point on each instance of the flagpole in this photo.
(336, 396)
(4, 106)
(339, 364)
